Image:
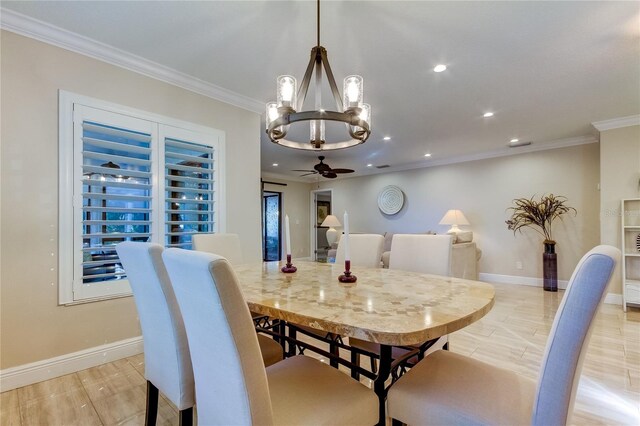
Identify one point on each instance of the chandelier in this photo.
(351, 109)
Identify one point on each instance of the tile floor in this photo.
(512, 335)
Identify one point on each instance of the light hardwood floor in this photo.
(512, 335)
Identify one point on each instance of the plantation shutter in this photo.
(116, 195)
(190, 176)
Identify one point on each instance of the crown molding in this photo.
(29, 27)
(616, 123)
(494, 153)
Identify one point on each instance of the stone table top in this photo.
(385, 306)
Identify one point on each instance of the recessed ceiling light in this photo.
(275, 164)
(369, 165)
(488, 114)
(514, 140)
(427, 155)
(439, 68)
(387, 138)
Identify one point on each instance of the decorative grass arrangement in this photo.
(538, 215)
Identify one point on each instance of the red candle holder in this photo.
(347, 277)
(289, 268)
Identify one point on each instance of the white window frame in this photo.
(70, 166)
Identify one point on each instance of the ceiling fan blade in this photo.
(341, 171)
(330, 175)
(307, 174)
(298, 170)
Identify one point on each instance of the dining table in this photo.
(385, 306)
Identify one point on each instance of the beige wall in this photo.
(295, 203)
(483, 190)
(620, 171)
(33, 326)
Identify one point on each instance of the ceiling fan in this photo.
(324, 170)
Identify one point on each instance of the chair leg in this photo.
(186, 417)
(152, 405)
(355, 359)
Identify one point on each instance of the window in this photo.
(127, 175)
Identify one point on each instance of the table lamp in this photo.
(454, 218)
(332, 235)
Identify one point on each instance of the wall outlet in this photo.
(518, 265)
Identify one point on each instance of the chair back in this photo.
(167, 362)
(569, 336)
(230, 378)
(365, 250)
(225, 245)
(428, 254)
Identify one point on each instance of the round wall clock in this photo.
(390, 199)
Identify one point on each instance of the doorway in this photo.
(321, 207)
(271, 225)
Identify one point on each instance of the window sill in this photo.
(96, 299)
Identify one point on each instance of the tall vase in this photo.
(550, 267)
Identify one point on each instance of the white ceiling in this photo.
(547, 69)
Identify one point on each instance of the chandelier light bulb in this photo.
(353, 91)
(271, 113)
(316, 132)
(365, 114)
(286, 91)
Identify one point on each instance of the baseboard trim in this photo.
(517, 280)
(27, 374)
(611, 298)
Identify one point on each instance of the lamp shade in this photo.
(454, 217)
(331, 221)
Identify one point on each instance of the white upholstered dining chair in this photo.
(424, 253)
(167, 363)
(232, 384)
(365, 250)
(448, 388)
(166, 353)
(428, 254)
(225, 245)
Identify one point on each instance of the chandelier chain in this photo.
(318, 24)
